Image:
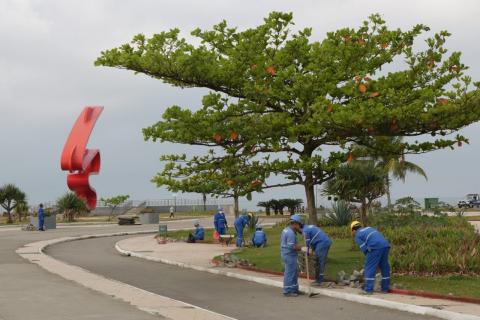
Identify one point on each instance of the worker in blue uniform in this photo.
(320, 243)
(240, 224)
(289, 252)
(259, 238)
(220, 222)
(41, 218)
(375, 247)
(199, 232)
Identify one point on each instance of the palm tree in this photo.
(361, 181)
(267, 205)
(70, 205)
(291, 204)
(398, 167)
(395, 164)
(10, 197)
(22, 210)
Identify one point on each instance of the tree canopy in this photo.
(287, 98)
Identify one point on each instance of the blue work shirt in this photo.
(288, 242)
(199, 233)
(314, 236)
(369, 239)
(241, 222)
(259, 237)
(41, 213)
(219, 221)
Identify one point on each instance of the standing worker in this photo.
(41, 217)
(172, 212)
(375, 247)
(220, 222)
(240, 224)
(259, 238)
(289, 252)
(316, 239)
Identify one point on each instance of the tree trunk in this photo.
(389, 198)
(235, 206)
(204, 197)
(363, 213)
(267, 211)
(310, 193)
(9, 213)
(281, 211)
(292, 210)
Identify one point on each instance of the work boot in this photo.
(366, 293)
(292, 294)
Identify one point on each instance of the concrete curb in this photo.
(420, 310)
(141, 299)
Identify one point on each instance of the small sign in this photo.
(162, 230)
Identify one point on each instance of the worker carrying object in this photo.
(220, 222)
(320, 243)
(198, 235)
(240, 224)
(375, 247)
(259, 238)
(289, 252)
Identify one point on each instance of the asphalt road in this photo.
(235, 298)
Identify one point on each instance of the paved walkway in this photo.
(28, 292)
(239, 299)
(202, 254)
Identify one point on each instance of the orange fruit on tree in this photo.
(330, 108)
(271, 70)
(217, 137)
(374, 94)
(256, 183)
(350, 157)
(233, 136)
(362, 88)
(361, 41)
(384, 45)
(442, 101)
(230, 182)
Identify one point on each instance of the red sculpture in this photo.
(80, 161)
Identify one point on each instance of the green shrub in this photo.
(341, 215)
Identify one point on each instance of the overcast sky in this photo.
(47, 75)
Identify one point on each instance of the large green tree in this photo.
(10, 197)
(300, 104)
(71, 205)
(226, 175)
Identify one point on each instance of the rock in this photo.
(340, 277)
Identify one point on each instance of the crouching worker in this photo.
(320, 243)
(375, 247)
(289, 251)
(259, 238)
(198, 235)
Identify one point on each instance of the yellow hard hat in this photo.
(355, 224)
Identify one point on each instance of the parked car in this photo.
(473, 201)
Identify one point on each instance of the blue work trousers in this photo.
(290, 275)
(374, 259)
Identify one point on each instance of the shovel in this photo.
(310, 293)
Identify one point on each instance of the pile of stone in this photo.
(352, 280)
(29, 227)
(231, 261)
